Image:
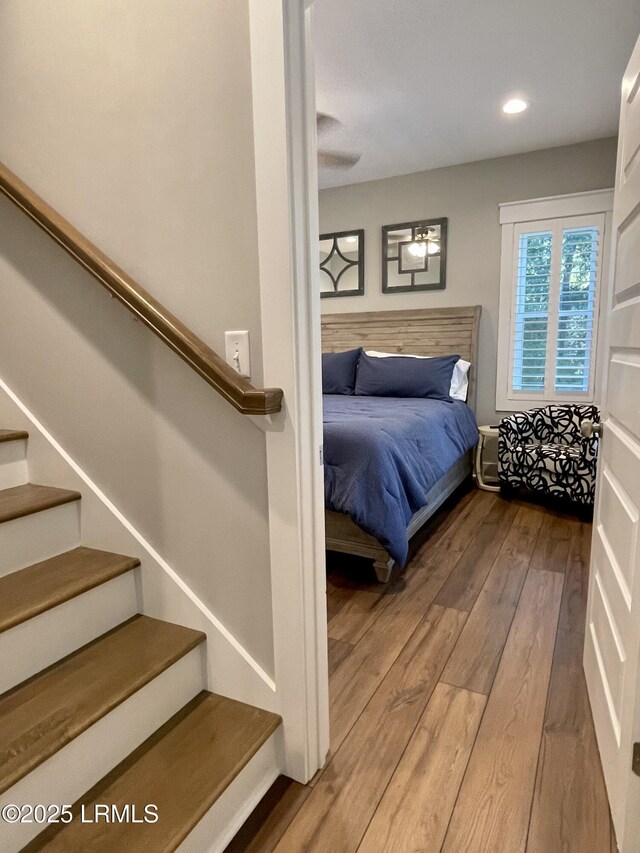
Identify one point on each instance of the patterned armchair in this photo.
(545, 450)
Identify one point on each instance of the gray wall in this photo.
(469, 196)
(135, 121)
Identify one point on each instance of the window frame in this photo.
(549, 214)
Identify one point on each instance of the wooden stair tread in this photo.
(25, 500)
(44, 585)
(13, 435)
(182, 769)
(43, 714)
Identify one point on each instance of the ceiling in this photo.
(419, 84)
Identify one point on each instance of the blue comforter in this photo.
(383, 454)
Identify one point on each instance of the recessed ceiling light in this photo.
(515, 105)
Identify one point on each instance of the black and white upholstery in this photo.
(544, 450)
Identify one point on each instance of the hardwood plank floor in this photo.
(492, 812)
(573, 612)
(409, 817)
(357, 615)
(459, 714)
(475, 659)
(338, 651)
(338, 811)
(568, 812)
(554, 544)
(270, 820)
(359, 675)
(467, 579)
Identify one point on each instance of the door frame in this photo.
(287, 225)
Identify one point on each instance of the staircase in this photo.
(100, 706)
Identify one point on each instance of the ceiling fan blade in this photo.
(333, 160)
(326, 122)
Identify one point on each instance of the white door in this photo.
(612, 642)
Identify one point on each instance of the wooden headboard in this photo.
(423, 331)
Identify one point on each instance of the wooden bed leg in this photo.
(383, 569)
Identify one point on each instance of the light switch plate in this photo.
(237, 352)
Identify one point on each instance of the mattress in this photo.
(383, 455)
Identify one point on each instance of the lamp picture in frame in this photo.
(342, 264)
(414, 256)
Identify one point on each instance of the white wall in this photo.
(469, 196)
(135, 120)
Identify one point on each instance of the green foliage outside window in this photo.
(575, 309)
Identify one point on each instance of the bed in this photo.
(429, 332)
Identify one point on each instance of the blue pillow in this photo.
(405, 377)
(339, 371)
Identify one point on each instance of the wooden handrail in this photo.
(200, 357)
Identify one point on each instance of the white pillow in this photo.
(459, 377)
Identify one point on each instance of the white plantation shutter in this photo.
(579, 275)
(557, 269)
(531, 315)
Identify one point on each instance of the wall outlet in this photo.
(237, 352)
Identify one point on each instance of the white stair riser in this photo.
(78, 766)
(13, 464)
(61, 630)
(38, 536)
(219, 825)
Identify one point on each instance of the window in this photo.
(555, 305)
(549, 301)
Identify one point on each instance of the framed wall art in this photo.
(342, 264)
(414, 256)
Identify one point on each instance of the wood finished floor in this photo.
(459, 714)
